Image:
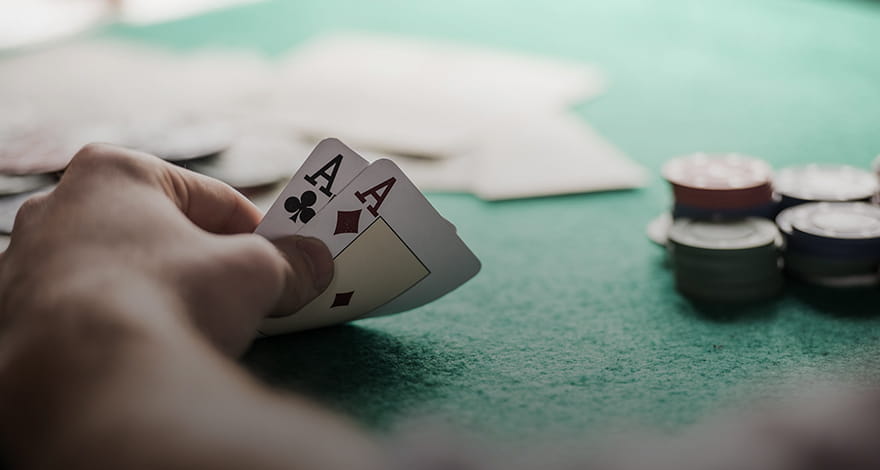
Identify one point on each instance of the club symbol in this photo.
(301, 206)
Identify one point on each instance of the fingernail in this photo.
(319, 259)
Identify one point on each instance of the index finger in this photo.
(210, 204)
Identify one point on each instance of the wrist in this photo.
(62, 350)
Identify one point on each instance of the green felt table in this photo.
(574, 325)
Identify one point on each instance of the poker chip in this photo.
(36, 150)
(658, 228)
(767, 210)
(853, 221)
(724, 199)
(837, 282)
(10, 185)
(32, 151)
(717, 171)
(719, 181)
(815, 266)
(724, 246)
(39, 150)
(833, 183)
(832, 229)
(253, 161)
(725, 261)
(733, 235)
(179, 140)
(755, 290)
(832, 243)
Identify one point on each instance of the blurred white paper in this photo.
(551, 155)
(414, 97)
(531, 156)
(67, 96)
(486, 133)
(26, 22)
(155, 11)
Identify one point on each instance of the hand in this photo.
(108, 290)
(123, 226)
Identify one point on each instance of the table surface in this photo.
(574, 325)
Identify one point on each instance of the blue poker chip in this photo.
(786, 202)
(806, 265)
(765, 211)
(850, 229)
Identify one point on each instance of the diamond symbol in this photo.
(342, 299)
(347, 221)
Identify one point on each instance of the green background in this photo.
(574, 326)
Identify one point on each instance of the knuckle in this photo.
(33, 203)
(94, 154)
(96, 158)
(30, 208)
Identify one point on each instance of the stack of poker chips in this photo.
(827, 229)
(832, 243)
(817, 183)
(725, 261)
(720, 187)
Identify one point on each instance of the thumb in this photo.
(307, 273)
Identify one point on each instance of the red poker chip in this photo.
(723, 199)
(719, 181)
(725, 171)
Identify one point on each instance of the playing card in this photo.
(550, 154)
(30, 22)
(415, 97)
(392, 252)
(253, 161)
(326, 171)
(530, 156)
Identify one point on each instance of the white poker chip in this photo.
(722, 171)
(658, 228)
(10, 185)
(32, 151)
(254, 161)
(816, 182)
(742, 234)
(181, 139)
(840, 220)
